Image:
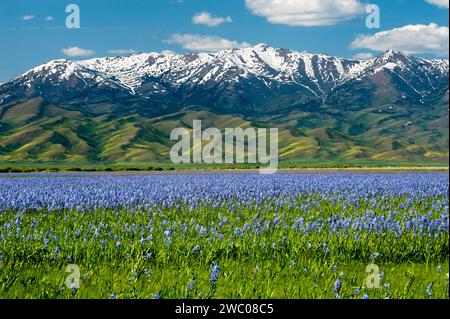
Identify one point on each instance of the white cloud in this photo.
(168, 52)
(121, 51)
(363, 56)
(76, 51)
(306, 12)
(205, 18)
(439, 3)
(410, 39)
(48, 18)
(197, 42)
(28, 17)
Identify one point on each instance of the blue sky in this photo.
(34, 32)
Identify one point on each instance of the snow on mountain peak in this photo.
(315, 72)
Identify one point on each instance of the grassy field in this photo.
(20, 166)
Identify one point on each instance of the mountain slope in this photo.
(122, 109)
(258, 79)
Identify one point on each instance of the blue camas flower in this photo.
(429, 291)
(337, 285)
(157, 296)
(191, 285)
(214, 275)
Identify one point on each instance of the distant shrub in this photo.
(17, 170)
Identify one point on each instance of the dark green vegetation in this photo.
(368, 166)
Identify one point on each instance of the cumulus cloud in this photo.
(168, 52)
(205, 18)
(76, 51)
(27, 17)
(121, 51)
(197, 42)
(363, 56)
(439, 3)
(410, 39)
(306, 12)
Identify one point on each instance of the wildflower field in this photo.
(225, 235)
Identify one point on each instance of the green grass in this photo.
(27, 166)
(134, 279)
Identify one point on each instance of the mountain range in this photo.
(122, 109)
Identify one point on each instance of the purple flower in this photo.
(157, 296)
(429, 291)
(337, 285)
(214, 275)
(191, 285)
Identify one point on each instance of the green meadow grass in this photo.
(27, 166)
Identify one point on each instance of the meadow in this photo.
(225, 235)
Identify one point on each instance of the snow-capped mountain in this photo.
(243, 77)
(318, 73)
(424, 74)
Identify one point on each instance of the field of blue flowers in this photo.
(225, 235)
